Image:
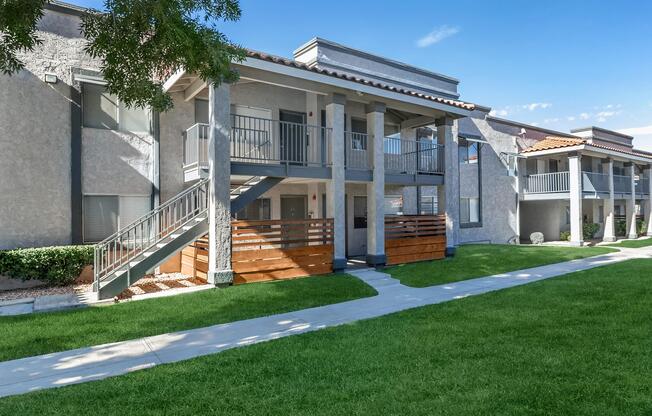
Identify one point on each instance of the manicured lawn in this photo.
(573, 345)
(477, 260)
(633, 243)
(27, 335)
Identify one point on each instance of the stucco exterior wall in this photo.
(35, 146)
(547, 217)
(172, 126)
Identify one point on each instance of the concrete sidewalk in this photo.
(98, 362)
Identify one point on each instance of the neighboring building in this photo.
(334, 133)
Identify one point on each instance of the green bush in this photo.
(641, 226)
(54, 265)
(589, 229)
(564, 236)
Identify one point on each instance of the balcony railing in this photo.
(195, 146)
(622, 184)
(643, 186)
(411, 156)
(547, 183)
(595, 182)
(356, 150)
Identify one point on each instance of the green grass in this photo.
(574, 345)
(477, 260)
(27, 335)
(633, 243)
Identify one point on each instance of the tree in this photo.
(139, 42)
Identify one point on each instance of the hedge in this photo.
(54, 265)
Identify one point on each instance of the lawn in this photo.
(573, 345)
(633, 243)
(477, 260)
(27, 335)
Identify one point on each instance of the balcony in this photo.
(264, 147)
(592, 183)
(543, 183)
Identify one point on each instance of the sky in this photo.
(555, 64)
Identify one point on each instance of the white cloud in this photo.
(437, 35)
(534, 106)
(570, 118)
(500, 113)
(550, 120)
(585, 116)
(642, 136)
(637, 131)
(602, 116)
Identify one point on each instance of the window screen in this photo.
(393, 205)
(100, 109)
(132, 208)
(469, 210)
(100, 217)
(428, 205)
(201, 111)
(134, 119)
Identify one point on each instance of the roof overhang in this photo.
(588, 148)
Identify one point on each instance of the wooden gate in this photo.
(410, 238)
(281, 249)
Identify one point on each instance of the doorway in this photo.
(293, 137)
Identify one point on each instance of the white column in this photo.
(447, 135)
(336, 190)
(219, 168)
(575, 174)
(648, 212)
(609, 219)
(631, 204)
(376, 188)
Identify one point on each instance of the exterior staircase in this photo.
(126, 256)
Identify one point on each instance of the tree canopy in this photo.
(139, 42)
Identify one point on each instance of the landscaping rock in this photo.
(10, 283)
(536, 238)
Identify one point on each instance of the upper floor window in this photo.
(359, 130)
(102, 110)
(468, 151)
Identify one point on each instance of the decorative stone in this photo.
(536, 238)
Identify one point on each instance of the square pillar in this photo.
(630, 209)
(609, 234)
(376, 188)
(648, 212)
(336, 191)
(447, 135)
(575, 178)
(219, 168)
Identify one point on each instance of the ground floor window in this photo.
(469, 210)
(359, 212)
(106, 214)
(393, 205)
(260, 209)
(429, 205)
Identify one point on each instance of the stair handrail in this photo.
(142, 234)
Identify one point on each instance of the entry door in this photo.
(294, 207)
(293, 137)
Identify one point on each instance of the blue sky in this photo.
(557, 64)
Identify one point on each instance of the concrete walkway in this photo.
(102, 361)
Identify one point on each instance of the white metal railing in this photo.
(411, 156)
(547, 182)
(622, 184)
(195, 146)
(595, 182)
(356, 150)
(144, 233)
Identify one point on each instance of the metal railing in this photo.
(411, 156)
(547, 182)
(195, 146)
(595, 182)
(356, 150)
(622, 184)
(643, 186)
(147, 231)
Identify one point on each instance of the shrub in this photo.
(536, 238)
(53, 265)
(641, 226)
(589, 229)
(564, 236)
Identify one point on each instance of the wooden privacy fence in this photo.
(410, 238)
(281, 249)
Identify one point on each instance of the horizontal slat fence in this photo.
(411, 238)
(281, 249)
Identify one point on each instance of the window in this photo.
(567, 215)
(106, 214)
(468, 151)
(359, 212)
(600, 214)
(553, 166)
(358, 134)
(429, 205)
(257, 210)
(469, 210)
(393, 205)
(201, 111)
(102, 110)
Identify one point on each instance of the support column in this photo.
(376, 188)
(631, 204)
(219, 168)
(336, 186)
(648, 212)
(609, 219)
(447, 135)
(575, 177)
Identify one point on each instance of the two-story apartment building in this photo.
(334, 139)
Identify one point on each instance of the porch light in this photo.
(51, 78)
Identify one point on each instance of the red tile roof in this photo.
(555, 142)
(292, 63)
